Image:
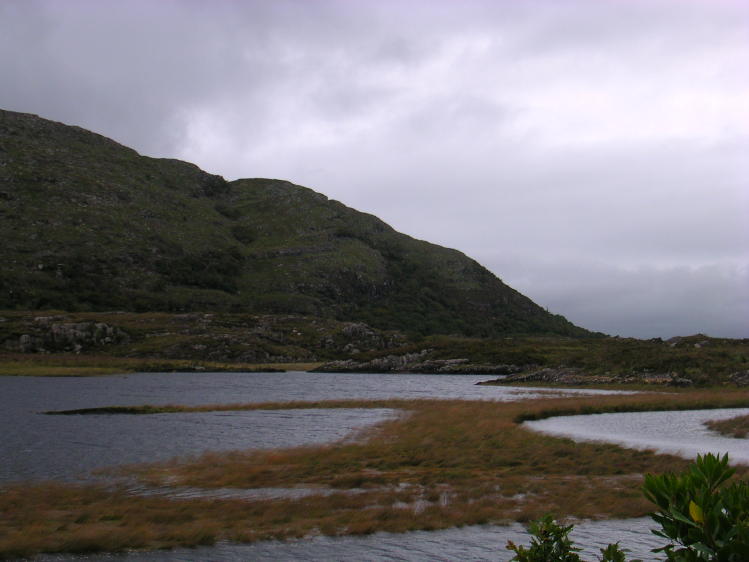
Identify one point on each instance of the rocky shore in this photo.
(574, 376)
(416, 363)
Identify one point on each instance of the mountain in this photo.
(88, 224)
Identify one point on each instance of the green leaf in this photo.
(704, 549)
(681, 517)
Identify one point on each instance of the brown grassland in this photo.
(70, 365)
(441, 464)
(735, 427)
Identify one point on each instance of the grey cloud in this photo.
(644, 302)
(578, 132)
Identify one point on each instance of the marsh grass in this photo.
(735, 427)
(10, 369)
(178, 408)
(71, 365)
(443, 464)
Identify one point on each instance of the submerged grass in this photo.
(735, 427)
(445, 463)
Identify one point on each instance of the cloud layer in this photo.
(591, 153)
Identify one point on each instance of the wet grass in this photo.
(179, 408)
(705, 399)
(442, 464)
(735, 427)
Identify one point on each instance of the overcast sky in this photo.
(594, 154)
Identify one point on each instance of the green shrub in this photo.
(702, 516)
(706, 518)
(550, 542)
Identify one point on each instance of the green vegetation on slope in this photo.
(54, 342)
(701, 359)
(88, 224)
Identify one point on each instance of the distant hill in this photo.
(88, 224)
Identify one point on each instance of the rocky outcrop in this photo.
(740, 378)
(356, 337)
(575, 376)
(560, 375)
(244, 338)
(415, 363)
(52, 334)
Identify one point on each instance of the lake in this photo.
(36, 446)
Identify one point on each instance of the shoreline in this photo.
(476, 455)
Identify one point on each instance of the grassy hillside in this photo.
(90, 225)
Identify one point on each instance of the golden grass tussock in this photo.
(445, 463)
(735, 427)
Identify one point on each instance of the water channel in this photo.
(679, 433)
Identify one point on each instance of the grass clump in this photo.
(735, 427)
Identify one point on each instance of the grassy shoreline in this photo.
(62, 365)
(737, 427)
(447, 463)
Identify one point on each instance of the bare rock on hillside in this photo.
(52, 333)
(416, 363)
(740, 378)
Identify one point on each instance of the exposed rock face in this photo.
(362, 337)
(387, 364)
(220, 338)
(415, 363)
(51, 333)
(740, 378)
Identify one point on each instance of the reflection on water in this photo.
(681, 433)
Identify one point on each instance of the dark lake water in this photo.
(35, 446)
